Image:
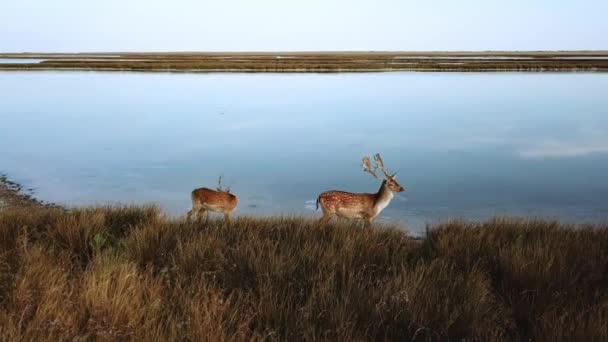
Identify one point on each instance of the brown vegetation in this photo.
(319, 62)
(128, 273)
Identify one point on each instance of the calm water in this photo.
(19, 60)
(466, 145)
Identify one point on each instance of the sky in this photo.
(302, 25)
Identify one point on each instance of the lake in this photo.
(19, 60)
(468, 145)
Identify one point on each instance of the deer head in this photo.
(388, 180)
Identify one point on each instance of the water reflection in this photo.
(471, 145)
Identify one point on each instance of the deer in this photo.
(366, 206)
(218, 200)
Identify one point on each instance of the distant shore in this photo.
(488, 61)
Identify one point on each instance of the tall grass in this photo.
(128, 273)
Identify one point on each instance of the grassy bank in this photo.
(128, 273)
(318, 61)
(12, 194)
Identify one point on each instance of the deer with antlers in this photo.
(360, 205)
(219, 200)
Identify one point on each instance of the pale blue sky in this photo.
(266, 25)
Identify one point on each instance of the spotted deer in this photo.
(360, 205)
(219, 200)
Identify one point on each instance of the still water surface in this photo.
(468, 145)
(19, 60)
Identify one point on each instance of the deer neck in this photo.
(383, 197)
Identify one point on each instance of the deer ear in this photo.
(394, 176)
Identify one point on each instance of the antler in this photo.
(367, 167)
(380, 164)
(219, 185)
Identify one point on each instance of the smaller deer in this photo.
(219, 200)
(360, 205)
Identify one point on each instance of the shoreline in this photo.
(13, 195)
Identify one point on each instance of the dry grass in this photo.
(127, 273)
(320, 62)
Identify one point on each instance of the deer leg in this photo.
(205, 214)
(368, 221)
(196, 213)
(227, 218)
(326, 217)
(193, 213)
(189, 215)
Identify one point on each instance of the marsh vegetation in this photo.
(317, 61)
(128, 273)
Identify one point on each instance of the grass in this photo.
(128, 273)
(320, 61)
